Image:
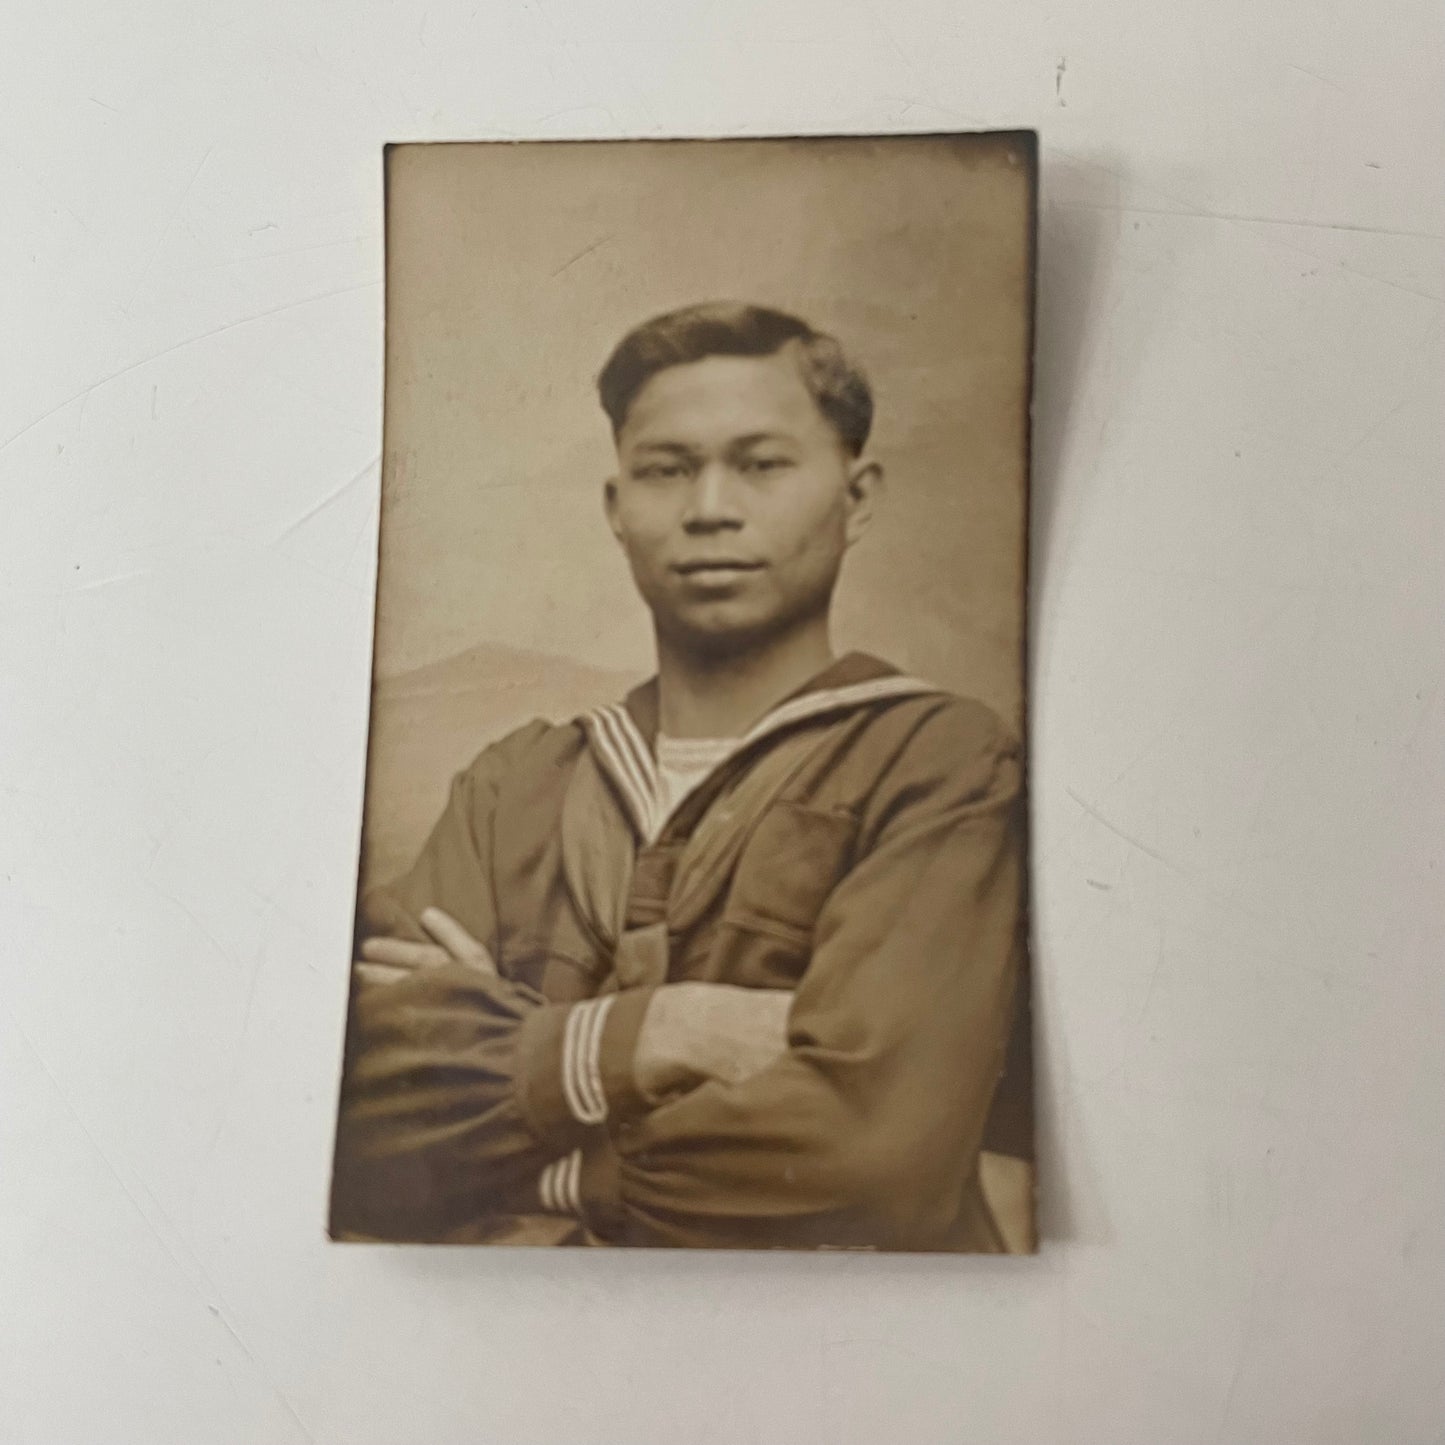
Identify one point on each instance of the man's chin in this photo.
(718, 634)
(729, 627)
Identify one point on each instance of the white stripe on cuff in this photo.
(576, 1021)
(574, 1181)
(559, 1186)
(592, 1059)
(582, 1060)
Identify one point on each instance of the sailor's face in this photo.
(735, 500)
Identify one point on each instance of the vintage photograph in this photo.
(692, 904)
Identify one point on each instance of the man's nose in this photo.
(713, 501)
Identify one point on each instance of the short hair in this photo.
(733, 328)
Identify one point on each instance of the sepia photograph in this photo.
(722, 724)
(692, 906)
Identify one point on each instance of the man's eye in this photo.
(657, 472)
(766, 464)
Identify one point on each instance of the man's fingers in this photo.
(401, 953)
(453, 943)
(382, 972)
(457, 941)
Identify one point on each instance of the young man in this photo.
(733, 961)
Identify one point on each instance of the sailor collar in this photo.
(623, 735)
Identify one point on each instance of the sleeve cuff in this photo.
(537, 1076)
(558, 1186)
(599, 1190)
(616, 1046)
(574, 1064)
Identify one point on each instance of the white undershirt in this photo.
(682, 763)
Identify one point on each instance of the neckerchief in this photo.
(612, 805)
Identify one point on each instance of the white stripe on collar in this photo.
(628, 760)
(633, 768)
(832, 699)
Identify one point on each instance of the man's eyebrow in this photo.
(756, 438)
(676, 448)
(735, 444)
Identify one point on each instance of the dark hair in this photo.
(733, 328)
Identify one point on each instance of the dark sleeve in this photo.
(453, 871)
(459, 1087)
(867, 1131)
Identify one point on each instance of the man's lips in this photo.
(714, 564)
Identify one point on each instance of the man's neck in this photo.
(709, 696)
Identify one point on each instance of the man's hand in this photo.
(388, 960)
(693, 1032)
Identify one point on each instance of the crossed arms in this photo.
(848, 1112)
(691, 1032)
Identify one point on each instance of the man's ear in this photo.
(865, 487)
(609, 506)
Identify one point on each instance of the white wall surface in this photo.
(1239, 734)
